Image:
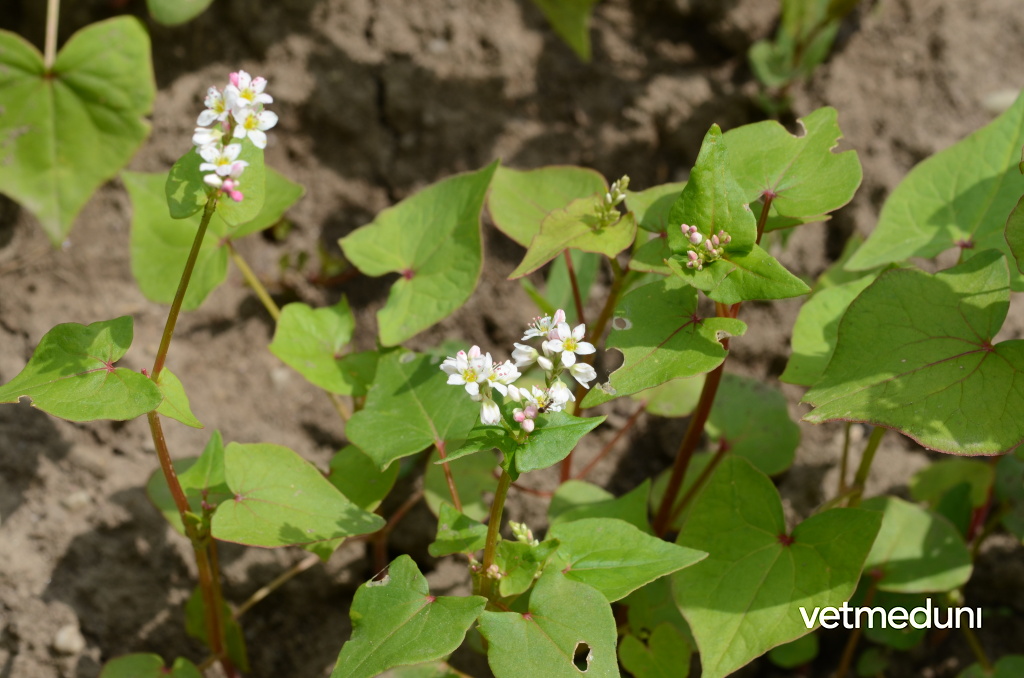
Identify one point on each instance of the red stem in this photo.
(448, 476)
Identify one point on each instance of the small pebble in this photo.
(76, 500)
(69, 640)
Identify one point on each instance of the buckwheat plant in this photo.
(698, 561)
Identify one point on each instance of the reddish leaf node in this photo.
(408, 274)
(876, 573)
(965, 244)
(694, 319)
(108, 366)
(431, 599)
(239, 497)
(785, 539)
(769, 194)
(527, 616)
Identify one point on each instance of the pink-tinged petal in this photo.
(234, 77)
(558, 318)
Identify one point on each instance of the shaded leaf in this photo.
(666, 654)
(795, 653)
(234, 639)
(396, 622)
(63, 134)
(933, 481)
(676, 398)
(71, 374)
(474, 478)
(456, 533)
(433, 239)
(1010, 666)
(576, 499)
(148, 666)
(571, 20)
(520, 563)
(752, 420)
(357, 477)
(653, 206)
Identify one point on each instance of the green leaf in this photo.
(357, 477)
(661, 336)
(428, 670)
(71, 374)
(577, 226)
(962, 194)
(938, 378)
(882, 633)
(554, 438)
(396, 622)
(175, 404)
(652, 207)
(805, 176)
(916, 550)
(281, 194)
(474, 478)
(195, 626)
(520, 200)
(160, 245)
(1010, 666)
(666, 654)
(744, 599)
(713, 202)
(676, 398)
(183, 187)
(576, 499)
(202, 479)
(174, 12)
(752, 420)
(817, 330)
(457, 533)
(279, 499)
(796, 652)
(934, 480)
(409, 407)
(571, 20)
(650, 257)
(520, 563)
(653, 605)
(312, 342)
(1009, 489)
(432, 238)
(698, 463)
(65, 133)
(148, 666)
(564, 618)
(615, 557)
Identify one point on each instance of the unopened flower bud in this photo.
(528, 425)
(695, 238)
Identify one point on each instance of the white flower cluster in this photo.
(607, 203)
(558, 350)
(234, 114)
(712, 250)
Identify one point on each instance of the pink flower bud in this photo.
(693, 256)
(233, 77)
(519, 415)
(715, 241)
(695, 238)
(528, 425)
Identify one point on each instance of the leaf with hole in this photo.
(519, 200)
(280, 499)
(915, 354)
(615, 557)
(432, 239)
(662, 336)
(806, 178)
(550, 636)
(744, 598)
(71, 374)
(64, 133)
(410, 407)
(397, 622)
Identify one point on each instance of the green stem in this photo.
(268, 303)
(844, 462)
(977, 649)
(493, 529)
(865, 465)
(179, 296)
(50, 46)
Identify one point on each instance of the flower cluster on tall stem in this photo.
(232, 116)
(559, 346)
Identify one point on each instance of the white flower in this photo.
(558, 395)
(467, 369)
(583, 373)
(524, 355)
(489, 412)
(229, 184)
(569, 343)
(204, 136)
(541, 327)
(502, 376)
(217, 108)
(247, 90)
(254, 125)
(221, 160)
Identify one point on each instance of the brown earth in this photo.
(378, 98)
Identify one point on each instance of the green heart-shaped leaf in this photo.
(410, 407)
(148, 666)
(806, 179)
(666, 654)
(396, 621)
(662, 337)
(577, 226)
(935, 480)
(576, 499)
(959, 196)
(751, 419)
(433, 239)
(563, 617)
(615, 557)
(519, 201)
(64, 133)
(279, 499)
(745, 598)
(358, 478)
(915, 354)
(71, 374)
(916, 550)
